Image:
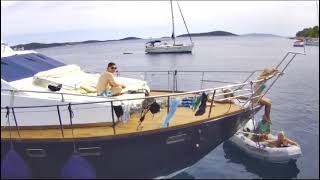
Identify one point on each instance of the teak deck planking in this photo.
(183, 115)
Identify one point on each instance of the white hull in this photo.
(312, 42)
(264, 152)
(169, 49)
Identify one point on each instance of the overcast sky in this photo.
(62, 21)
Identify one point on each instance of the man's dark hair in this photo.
(111, 64)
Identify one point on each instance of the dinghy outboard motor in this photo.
(55, 87)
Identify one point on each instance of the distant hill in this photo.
(87, 42)
(30, 46)
(130, 38)
(34, 45)
(213, 33)
(260, 35)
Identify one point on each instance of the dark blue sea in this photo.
(295, 95)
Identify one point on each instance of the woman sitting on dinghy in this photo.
(282, 141)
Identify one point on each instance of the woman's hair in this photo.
(265, 73)
(281, 133)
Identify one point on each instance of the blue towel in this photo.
(172, 109)
(186, 103)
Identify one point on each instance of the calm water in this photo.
(295, 96)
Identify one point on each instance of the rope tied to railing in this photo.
(71, 114)
(7, 112)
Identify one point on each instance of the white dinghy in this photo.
(263, 150)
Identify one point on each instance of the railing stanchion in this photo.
(168, 79)
(62, 97)
(285, 57)
(214, 92)
(173, 81)
(113, 122)
(61, 126)
(15, 120)
(202, 79)
(176, 80)
(168, 104)
(8, 121)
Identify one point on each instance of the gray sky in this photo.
(61, 21)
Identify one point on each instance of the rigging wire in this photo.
(184, 22)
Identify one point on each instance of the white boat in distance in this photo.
(311, 41)
(158, 46)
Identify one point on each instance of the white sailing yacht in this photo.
(157, 46)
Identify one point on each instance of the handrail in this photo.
(217, 71)
(112, 99)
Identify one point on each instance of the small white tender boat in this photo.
(157, 46)
(262, 150)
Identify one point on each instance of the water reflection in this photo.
(183, 175)
(261, 168)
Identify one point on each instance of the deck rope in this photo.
(71, 114)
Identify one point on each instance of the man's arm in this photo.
(291, 142)
(113, 82)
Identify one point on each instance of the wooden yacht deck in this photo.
(183, 115)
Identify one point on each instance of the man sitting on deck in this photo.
(106, 85)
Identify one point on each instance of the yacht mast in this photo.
(173, 35)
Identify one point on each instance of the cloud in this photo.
(150, 18)
(5, 4)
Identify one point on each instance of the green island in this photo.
(311, 32)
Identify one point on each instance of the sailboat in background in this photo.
(158, 46)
